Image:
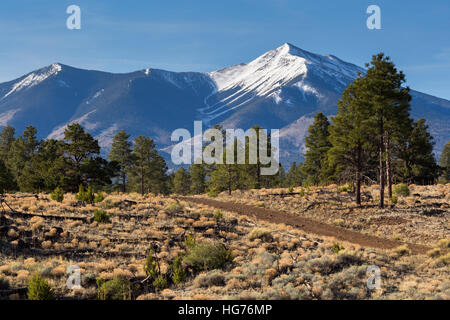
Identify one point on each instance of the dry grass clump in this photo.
(209, 279)
(262, 234)
(401, 250)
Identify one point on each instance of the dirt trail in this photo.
(308, 225)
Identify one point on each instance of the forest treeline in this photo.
(372, 139)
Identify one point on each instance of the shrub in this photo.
(402, 250)
(213, 278)
(213, 193)
(39, 289)
(262, 234)
(99, 197)
(445, 259)
(401, 190)
(218, 214)
(178, 271)
(57, 195)
(174, 207)
(85, 196)
(208, 256)
(189, 241)
(394, 199)
(444, 243)
(291, 189)
(337, 247)
(346, 188)
(115, 289)
(302, 192)
(150, 266)
(160, 282)
(434, 253)
(101, 216)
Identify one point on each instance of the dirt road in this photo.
(307, 225)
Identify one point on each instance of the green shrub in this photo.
(291, 189)
(101, 216)
(337, 247)
(99, 197)
(208, 256)
(189, 240)
(57, 195)
(115, 289)
(39, 289)
(262, 234)
(178, 271)
(160, 283)
(213, 193)
(218, 214)
(401, 190)
(394, 199)
(150, 266)
(174, 207)
(346, 188)
(85, 196)
(302, 192)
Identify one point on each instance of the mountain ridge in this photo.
(282, 88)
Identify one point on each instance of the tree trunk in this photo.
(388, 166)
(380, 151)
(358, 188)
(229, 180)
(124, 179)
(142, 181)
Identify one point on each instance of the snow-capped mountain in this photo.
(281, 89)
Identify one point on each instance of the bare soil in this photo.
(311, 226)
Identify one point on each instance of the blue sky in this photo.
(123, 36)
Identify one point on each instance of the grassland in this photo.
(267, 260)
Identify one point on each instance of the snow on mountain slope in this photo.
(269, 74)
(34, 79)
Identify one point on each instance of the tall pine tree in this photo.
(317, 144)
(121, 153)
(148, 173)
(389, 103)
(6, 141)
(351, 136)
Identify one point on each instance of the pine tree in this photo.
(80, 150)
(389, 102)
(444, 163)
(296, 175)
(423, 167)
(121, 153)
(229, 177)
(7, 182)
(148, 172)
(6, 141)
(22, 151)
(181, 181)
(318, 144)
(197, 175)
(351, 135)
